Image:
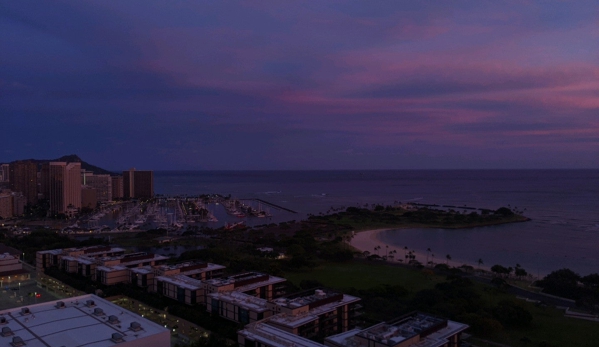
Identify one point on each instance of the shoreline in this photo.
(367, 240)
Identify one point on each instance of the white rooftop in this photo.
(75, 325)
(182, 281)
(311, 315)
(246, 301)
(272, 336)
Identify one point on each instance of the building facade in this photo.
(117, 187)
(64, 181)
(138, 184)
(23, 179)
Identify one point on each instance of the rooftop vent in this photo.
(25, 311)
(135, 326)
(6, 331)
(116, 337)
(3, 320)
(17, 342)
(60, 304)
(113, 320)
(98, 311)
(90, 303)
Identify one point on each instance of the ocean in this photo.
(563, 206)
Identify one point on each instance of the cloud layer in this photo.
(302, 85)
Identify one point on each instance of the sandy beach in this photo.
(368, 240)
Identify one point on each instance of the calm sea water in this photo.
(563, 205)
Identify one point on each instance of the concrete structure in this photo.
(85, 320)
(238, 307)
(101, 183)
(4, 172)
(5, 204)
(64, 187)
(252, 283)
(23, 179)
(414, 329)
(117, 187)
(138, 184)
(315, 313)
(264, 335)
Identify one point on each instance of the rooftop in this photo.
(190, 267)
(246, 281)
(313, 298)
(73, 323)
(242, 300)
(182, 281)
(275, 337)
(433, 331)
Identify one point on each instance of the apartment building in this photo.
(138, 184)
(52, 257)
(413, 329)
(319, 312)
(194, 269)
(263, 335)
(23, 179)
(255, 284)
(238, 307)
(182, 288)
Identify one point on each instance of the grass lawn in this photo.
(361, 275)
(549, 324)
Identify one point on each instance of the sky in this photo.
(251, 85)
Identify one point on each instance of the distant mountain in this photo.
(73, 158)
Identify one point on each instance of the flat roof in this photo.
(275, 337)
(144, 270)
(193, 266)
(75, 324)
(404, 328)
(182, 281)
(305, 317)
(246, 301)
(112, 268)
(246, 281)
(313, 298)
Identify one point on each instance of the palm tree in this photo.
(480, 262)
(433, 259)
(406, 251)
(386, 250)
(447, 259)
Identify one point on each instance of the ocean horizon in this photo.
(562, 205)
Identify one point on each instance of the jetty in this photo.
(271, 205)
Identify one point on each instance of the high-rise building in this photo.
(5, 204)
(4, 172)
(101, 183)
(65, 186)
(44, 182)
(89, 197)
(23, 178)
(138, 184)
(117, 187)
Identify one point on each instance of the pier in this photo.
(271, 205)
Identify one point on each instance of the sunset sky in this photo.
(301, 85)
